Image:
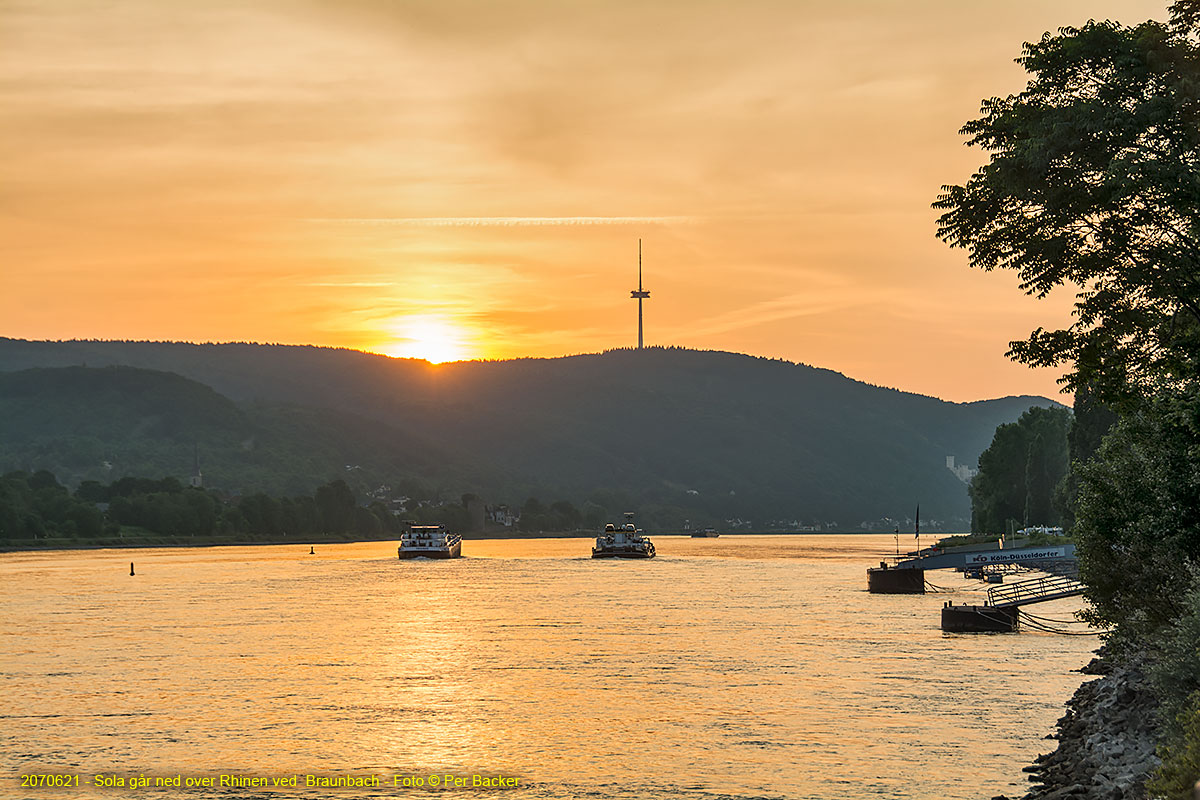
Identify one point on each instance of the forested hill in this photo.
(86, 423)
(707, 433)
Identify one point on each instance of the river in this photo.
(739, 667)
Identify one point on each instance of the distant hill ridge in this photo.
(702, 433)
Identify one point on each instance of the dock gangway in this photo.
(1036, 590)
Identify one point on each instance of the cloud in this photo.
(352, 284)
(800, 304)
(486, 222)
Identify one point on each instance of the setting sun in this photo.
(432, 338)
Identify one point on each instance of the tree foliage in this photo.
(335, 503)
(36, 506)
(1138, 533)
(1093, 182)
(1175, 676)
(1019, 472)
(1091, 420)
(562, 515)
(1138, 516)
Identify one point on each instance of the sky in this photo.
(447, 179)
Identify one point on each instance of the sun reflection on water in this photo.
(735, 667)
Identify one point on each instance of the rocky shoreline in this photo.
(1106, 740)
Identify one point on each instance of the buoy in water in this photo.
(130, 567)
(311, 552)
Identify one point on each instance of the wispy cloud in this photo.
(485, 222)
(352, 284)
(800, 304)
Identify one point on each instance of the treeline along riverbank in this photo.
(38, 512)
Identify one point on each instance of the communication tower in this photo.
(639, 293)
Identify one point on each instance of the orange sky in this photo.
(445, 178)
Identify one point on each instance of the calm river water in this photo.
(738, 667)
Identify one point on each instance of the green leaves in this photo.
(1138, 517)
(1093, 183)
(1018, 473)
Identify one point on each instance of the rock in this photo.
(1106, 740)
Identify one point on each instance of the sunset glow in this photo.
(431, 338)
(335, 173)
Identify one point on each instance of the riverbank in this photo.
(168, 541)
(154, 541)
(1106, 740)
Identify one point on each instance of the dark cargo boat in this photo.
(624, 542)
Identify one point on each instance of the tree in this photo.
(566, 515)
(366, 523)
(88, 520)
(126, 487)
(594, 515)
(43, 479)
(201, 512)
(263, 514)
(335, 505)
(1138, 517)
(387, 520)
(1176, 679)
(533, 516)
(1043, 471)
(1092, 181)
(1019, 472)
(298, 516)
(1091, 421)
(92, 492)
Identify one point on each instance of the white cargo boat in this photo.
(429, 541)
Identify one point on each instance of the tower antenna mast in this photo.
(640, 294)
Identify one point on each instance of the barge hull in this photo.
(881, 580)
(454, 551)
(979, 619)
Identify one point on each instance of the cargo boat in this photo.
(429, 541)
(624, 542)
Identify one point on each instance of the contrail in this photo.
(479, 222)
